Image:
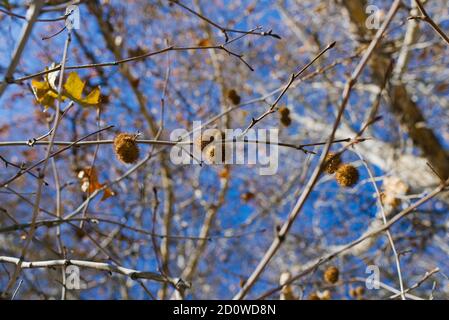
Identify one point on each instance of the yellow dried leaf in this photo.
(38, 85)
(44, 94)
(93, 97)
(74, 86)
(47, 101)
(54, 95)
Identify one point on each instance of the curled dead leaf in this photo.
(90, 183)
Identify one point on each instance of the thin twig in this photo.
(68, 146)
(32, 13)
(425, 17)
(40, 181)
(15, 15)
(419, 283)
(131, 273)
(384, 218)
(130, 59)
(293, 77)
(223, 29)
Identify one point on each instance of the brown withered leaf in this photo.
(90, 183)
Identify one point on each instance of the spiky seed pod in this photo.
(286, 121)
(332, 162)
(331, 274)
(126, 148)
(284, 111)
(313, 296)
(352, 293)
(357, 292)
(347, 175)
(234, 96)
(360, 291)
(285, 116)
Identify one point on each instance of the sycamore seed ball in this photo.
(313, 296)
(285, 116)
(234, 96)
(331, 274)
(126, 148)
(332, 162)
(284, 111)
(357, 292)
(360, 291)
(347, 175)
(286, 121)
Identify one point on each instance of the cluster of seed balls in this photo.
(126, 148)
(346, 174)
(331, 276)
